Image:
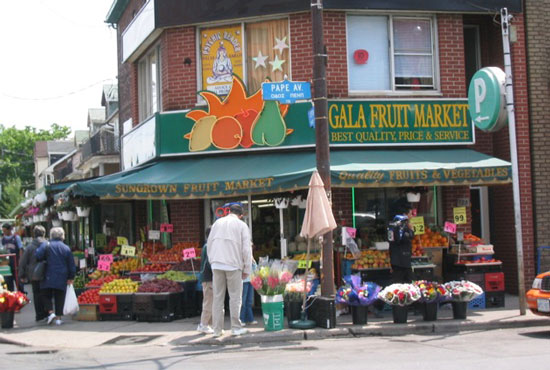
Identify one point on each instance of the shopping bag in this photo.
(71, 303)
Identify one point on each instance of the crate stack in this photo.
(492, 284)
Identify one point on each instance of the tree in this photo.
(17, 147)
(12, 195)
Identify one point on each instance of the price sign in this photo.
(106, 258)
(104, 266)
(302, 264)
(189, 253)
(128, 250)
(121, 240)
(418, 225)
(86, 252)
(100, 240)
(90, 251)
(449, 227)
(166, 228)
(154, 234)
(82, 263)
(459, 215)
(351, 232)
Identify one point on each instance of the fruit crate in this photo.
(88, 312)
(494, 299)
(116, 307)
(494, 281)
(477, 303)
(477, 278)
(189, 305)
(154, 307)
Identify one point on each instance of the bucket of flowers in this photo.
(400, 296)
(270, 281)
(10, 303)
(293, 297)
(461, 292)
(431, 294)
(358, 295)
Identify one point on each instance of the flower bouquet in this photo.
(271, 278)
(294, 290)
(431, 291)
(355, 293)
(462, 291)
(400, 294)
(10, 302)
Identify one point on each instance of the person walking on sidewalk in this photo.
(60, 272)
(26, 267)
(207, 296)
(230, 255)
(12, 244)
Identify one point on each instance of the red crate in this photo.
(107, 303)
(494, 281)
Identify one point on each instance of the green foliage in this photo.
(12, 195)
(17, 149)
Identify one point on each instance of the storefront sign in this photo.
(459, 215)
(166, 228)
(221, 57)
(189, 253)
(121, 240)
(449, 227)
(128, 250)
(286, 92)
(486, 98)
(418, 225)
(154, 235)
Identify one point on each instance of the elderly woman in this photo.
(60, 272)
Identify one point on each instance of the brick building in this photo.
(381, 56)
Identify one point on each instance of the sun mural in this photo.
(238, 120)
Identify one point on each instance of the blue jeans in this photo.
(248, 298)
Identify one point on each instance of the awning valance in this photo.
(234, 175)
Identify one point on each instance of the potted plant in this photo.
(431, 294)
(270, 281)
(10, 303)
(83, 206)
(358, 296)
(66, 210)
(461, 292)
(400, 296)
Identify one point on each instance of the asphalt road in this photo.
(524, 348)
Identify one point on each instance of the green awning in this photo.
(261, 173)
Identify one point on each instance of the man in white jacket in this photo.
(230, 255)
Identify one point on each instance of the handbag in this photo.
(39, 272)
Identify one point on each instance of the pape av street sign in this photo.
(286, 92)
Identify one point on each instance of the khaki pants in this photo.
(207, 298)
(233, 281)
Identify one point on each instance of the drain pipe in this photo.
(505, 26)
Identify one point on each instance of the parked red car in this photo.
(538, 298)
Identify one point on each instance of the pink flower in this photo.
(286, 277)
(256, 282)
(272, 282)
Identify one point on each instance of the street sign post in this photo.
(286, 92)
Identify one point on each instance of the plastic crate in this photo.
(116, 306)
(477, 303)
(494, 299)
(107, 304)
(322, 310)
(156, 306)
(494, 281)
(477, 278)
(189, 304)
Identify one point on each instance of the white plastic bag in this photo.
(71, 303)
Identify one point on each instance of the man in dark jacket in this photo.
(60, 272)
(401, 247)
(26, 267)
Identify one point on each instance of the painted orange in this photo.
(226, 133)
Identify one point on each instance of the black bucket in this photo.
(7, 319)
(460, 310)
(359, 314)
(399, 314)
(429, 311)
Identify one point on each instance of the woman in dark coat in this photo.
(60, 272)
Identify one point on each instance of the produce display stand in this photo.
(116, 307)
(155, 307)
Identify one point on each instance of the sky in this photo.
(56, 56)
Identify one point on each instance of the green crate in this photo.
(5, 270)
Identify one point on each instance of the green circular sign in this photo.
(486, 99)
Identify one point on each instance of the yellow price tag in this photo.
(459, 215)
(121, 240)
(302, 264)
(128, 250)
(418, 225)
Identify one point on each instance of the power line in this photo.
(58, 96)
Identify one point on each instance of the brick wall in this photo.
(538, 42)
(187, 218)
(301, 46)
(342, 206)
(334, 30)
(451, 194)
(451, 55)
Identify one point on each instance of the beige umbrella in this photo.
(318, 220)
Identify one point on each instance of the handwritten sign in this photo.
(103, 266)
(166, 228)
(154, 234)
(90, 251)
(302, 264)
(459, 215)
(418, 225)
(189, 253)
(82, 263)
(352, 232)
(449, 227)
(121, 240)
(106, 258)
(128, 250)
(100, 240)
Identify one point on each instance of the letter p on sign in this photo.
(480, 93)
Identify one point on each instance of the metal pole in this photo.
(505, 19)
(321, 137)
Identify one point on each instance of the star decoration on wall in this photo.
(280, 44)
(277, 64)
(260, 60)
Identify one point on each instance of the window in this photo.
(400, 53)
(149, 83)
(266, 54)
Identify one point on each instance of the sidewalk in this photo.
(87, 334)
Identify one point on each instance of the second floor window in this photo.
(149, 83)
